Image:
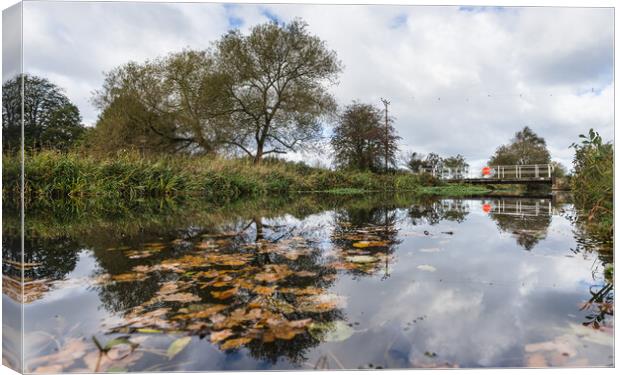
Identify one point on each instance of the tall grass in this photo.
(51, 175)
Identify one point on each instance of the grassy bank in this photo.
(52, 175)
(454, 190)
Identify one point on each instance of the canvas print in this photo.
(229, 186)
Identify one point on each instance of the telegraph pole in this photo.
(386, 103)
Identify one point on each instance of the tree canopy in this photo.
(277, 85)
(360, 137)
(169, 104)
(526, 148)
(258, 94)
(51, 120)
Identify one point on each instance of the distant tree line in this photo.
(433, 163)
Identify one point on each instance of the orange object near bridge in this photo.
(487, 208)
(486, 171)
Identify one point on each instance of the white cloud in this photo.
(460, 81)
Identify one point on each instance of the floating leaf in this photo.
(180, 297)
(177, 346)
(209, 274)
(225, 294)
(335, 331)
(127, 277)
(305, 274)
(361, 259)
(149, 330)
(426, 267)
(364, 244)
(283, 329)
(117, 341)
(273, 272)
(201, 311)
(235, 343)
(264, 290)
(303, 291)
(217, 336)
(320, 303)
(430, 250)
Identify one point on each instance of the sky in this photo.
(461, 80)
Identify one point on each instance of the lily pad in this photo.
(335, 331)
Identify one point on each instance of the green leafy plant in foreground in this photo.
(592, 182)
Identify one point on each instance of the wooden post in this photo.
(387, 133)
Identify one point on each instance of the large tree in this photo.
(360, 136)
(526, 148)
(50, 119)
(169, 104)
(278, 76)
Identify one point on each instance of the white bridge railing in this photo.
(497, 172)
(520, 208)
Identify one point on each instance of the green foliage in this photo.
(165, 105)
(50, 119)
(454, 190)
(361, 139)
(592, 181)
(559, 171)
(526, 148)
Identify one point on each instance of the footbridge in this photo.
(498, 174)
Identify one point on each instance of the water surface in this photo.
(315, 283)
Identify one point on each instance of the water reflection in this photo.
(365, 239)
(526, 219)
(432, 211)
(311, 283)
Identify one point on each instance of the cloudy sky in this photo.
(460, 79)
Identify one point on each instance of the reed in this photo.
(51, 175)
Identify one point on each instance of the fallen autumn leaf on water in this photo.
(364, 244)
(225, 294)
(235, 343)
(177, 346)
(217, 336)
(426, 267)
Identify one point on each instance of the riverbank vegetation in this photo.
(130, 176)
(592, 185)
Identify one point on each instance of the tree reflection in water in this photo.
(433, 211)
(527, 220)
(248, 277)
(365, 237)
